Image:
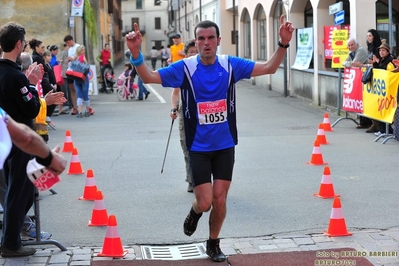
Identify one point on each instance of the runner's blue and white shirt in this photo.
(5, 140)
(208, 99)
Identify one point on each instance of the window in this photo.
(261, 24)
(383, 25)
(139, 4)
(135, 20)
(158, 45)
(308, 15)
(247, 35)
(157, 23)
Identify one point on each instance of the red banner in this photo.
(352, 92)
(328, 34)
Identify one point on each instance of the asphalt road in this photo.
(272, 190)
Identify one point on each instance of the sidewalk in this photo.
(380, 247)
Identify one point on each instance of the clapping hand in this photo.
(34, 73)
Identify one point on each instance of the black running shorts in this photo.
(219, 164)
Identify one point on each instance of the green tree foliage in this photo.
(90, 19)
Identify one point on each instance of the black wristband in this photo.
(173, 110)
(282, 45)
(46, 161)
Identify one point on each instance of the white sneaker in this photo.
(379, 133)
(30, 233)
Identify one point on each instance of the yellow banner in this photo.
(339, 57)
(379, 96)
(339, 38)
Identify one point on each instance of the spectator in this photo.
(142, 89)
(105, 58)
(154, 57)
(82, 87)
(210, 157)
(176, 50)
(373, 42)
(63, 59)
(189, 50)
(356, 58)
(37, 56)
(19, 98)
(384, 61)
(49, 84)
(54, 52)
(27, 140)
(71, 53)
(164, 56)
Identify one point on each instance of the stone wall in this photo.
(44, 20)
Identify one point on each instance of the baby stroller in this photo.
(108, 80)
(126, 89)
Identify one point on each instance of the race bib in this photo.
(212, 112)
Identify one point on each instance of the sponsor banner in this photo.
(328, 39)
(305, 48)
(352, 91)
(379, 96)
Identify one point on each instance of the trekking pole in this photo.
(167, 144)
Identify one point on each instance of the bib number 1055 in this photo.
(212, 112)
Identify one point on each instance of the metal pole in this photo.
(390, 25)
(234, 27)
(167, 145)
(280, 2)
(339, 88)
(200, 10)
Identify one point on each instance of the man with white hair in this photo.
(356, 58)
(357, 54)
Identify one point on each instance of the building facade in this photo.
(49, 21)
(249, 29)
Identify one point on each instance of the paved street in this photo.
(271, 206)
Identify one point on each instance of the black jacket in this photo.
(17, 97)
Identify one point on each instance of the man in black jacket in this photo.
(19, 98)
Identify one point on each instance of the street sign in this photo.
(339, 17)
(335, 8)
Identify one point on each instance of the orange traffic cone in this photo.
(317, 157)
(321, 136)
(99, 216)
(75, 168)
(337, 226)
(68, 144)
(326, 187)
(89, 192)
(112, 246)
(326, 123)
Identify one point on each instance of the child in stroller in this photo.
(108, 79)
(126, 87)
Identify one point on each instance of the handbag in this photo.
(80, 67)
(367, 75)
(71, 74)
(58, 75)
(77, 71)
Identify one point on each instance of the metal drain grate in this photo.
(179, 252)
(299, 127)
